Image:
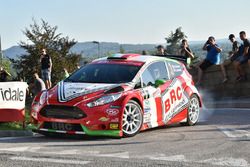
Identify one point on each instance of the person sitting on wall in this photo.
(3, 74)
(234, 53)
(243, 58)
(212, 57)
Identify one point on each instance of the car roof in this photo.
(131, 59)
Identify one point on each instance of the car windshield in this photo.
(104, 73)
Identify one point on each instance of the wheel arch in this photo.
(199, 98)
(190, 93)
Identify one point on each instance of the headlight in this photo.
(43, 98)
(104, 100)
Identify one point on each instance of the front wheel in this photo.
(193, 110)
(132, 119)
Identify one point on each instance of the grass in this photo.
(11, 126)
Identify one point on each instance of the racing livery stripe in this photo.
(113, 133)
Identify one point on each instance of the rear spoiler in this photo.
(175, 57)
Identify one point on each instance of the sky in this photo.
(125, 21)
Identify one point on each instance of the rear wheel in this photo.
(193, 110)
(132, 119)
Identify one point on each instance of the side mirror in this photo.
(159, 82)
(137, 85)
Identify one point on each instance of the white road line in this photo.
(233, 162)
(52, 160)
(14, 138)
(124, 155)
(174, 158)
(21, 149)
(227, 132)
(235, 133)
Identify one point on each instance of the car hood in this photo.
(68, 90)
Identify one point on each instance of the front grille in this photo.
(62, 112)
(62, 126)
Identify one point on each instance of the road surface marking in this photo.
(53, 160)
(174, 158)
(21, 149)
(233, 162)
(114, 155)
(235, 132)
(14, 138)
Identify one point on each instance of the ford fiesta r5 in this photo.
(119, 96)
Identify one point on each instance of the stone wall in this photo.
(212, 82)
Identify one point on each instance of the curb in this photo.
(15, 133)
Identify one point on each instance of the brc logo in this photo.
(174, 95)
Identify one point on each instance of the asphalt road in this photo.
(222, 138)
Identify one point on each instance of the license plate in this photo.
(61, 126)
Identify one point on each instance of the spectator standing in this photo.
(243, 58)
(212, 57)
(3, 74)
(38, 85)
(46, 68)
(186, 52)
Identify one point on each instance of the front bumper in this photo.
(84, 131)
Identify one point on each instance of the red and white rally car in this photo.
(119, 96)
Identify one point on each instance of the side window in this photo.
(175, 68)
(154, 72)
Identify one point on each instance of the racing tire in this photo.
(193, 111)
(132, 119)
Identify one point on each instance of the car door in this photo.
(174, 98)
(154, 79)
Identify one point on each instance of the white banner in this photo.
(12, 95)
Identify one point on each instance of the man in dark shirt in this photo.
(3, 75)
(46, 66)
(160, 51)
(186, 52)
(243, 58)
(232, 55)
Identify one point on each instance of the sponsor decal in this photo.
(145, 94)
(12, 95)
(114, 126)
(114, 120)
(103, 119)
(174, 100)
(115, 106)
(146, 105)
(147, 117)
(112, 112)
(68, 91)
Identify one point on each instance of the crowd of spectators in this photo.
(239, 55)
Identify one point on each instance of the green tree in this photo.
(122, 50)
(6, 64)
(58, 47)
(174, 40)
